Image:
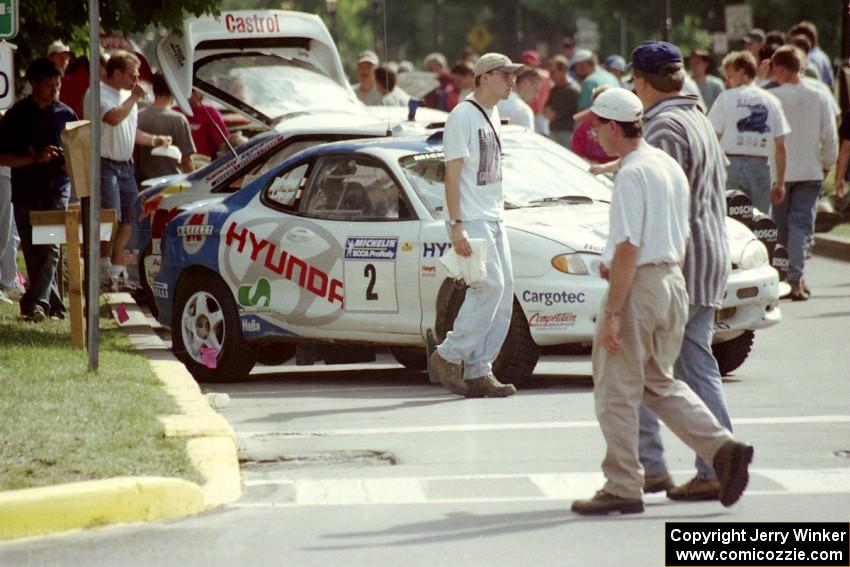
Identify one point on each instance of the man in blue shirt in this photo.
(30, 145)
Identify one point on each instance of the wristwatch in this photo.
(455, 222)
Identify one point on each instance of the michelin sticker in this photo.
(368, 248)
(370, 274)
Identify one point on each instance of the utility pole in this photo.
(667, 30)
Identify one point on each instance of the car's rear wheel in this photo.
(206, 330)
(414, 358)
(730, 355)
(519, 353)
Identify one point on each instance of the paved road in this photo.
(372, 465)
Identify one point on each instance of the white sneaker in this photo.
(5, 298)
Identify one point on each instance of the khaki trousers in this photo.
(651, 328)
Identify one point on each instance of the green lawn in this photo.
(59, 423)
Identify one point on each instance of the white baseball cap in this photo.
(619, 105)
(368, 56)
(57, 47)
(581, 55)
(496, 62)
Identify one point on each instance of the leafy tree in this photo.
(43, 21)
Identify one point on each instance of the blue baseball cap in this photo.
(615, 62)
(650, 56)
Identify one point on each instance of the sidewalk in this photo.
(211, 445)
(832, 247)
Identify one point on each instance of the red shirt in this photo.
(204, 133)
(585, 146)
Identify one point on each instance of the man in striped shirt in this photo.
(676, 123)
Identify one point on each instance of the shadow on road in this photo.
(467, 526)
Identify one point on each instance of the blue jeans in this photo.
(118, 187)
(751, 175)
(41, 260)
(482, 323)
(9, 239)
(795, 220)
(696, 367)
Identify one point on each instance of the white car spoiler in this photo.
(271, 31)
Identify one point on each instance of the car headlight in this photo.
(577, 264)
(754, 255)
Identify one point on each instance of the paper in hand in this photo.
(471, 269)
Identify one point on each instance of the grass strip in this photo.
(60, 423)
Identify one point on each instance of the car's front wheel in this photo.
(519, 353)
(206, 330)
(414, 358)
(731, 354)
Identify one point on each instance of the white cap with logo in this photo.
(496, 62)
(619, 105)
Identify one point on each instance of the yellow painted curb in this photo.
(37, 511)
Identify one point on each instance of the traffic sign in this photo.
(8, 19)
(479, 37)
(7, 75)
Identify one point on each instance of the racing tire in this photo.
(731, 354)
(205, 316)
(519, 353)
(414, 358)
(275, 354)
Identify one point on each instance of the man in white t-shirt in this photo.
(751, 126)
(812, 149)
(642, 320)
(119, 93)
(474, 204)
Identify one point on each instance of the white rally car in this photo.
(279, 69)
(336, 251)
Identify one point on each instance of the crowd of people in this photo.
(33, 177)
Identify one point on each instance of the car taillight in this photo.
(161, 219)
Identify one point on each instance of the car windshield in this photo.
(275, 86)
(535, 172)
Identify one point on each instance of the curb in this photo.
(832, 247)
(211, 446)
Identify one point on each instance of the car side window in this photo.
(355, 189)
(285, 189)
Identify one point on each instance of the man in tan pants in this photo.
(640, 330)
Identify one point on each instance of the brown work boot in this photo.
(488, 387)
(449, 374)
(696, 489)
(604, 503)
(657, 482)
(731, 463)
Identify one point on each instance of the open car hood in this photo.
(265, 64)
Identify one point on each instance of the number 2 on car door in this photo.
(371, 273)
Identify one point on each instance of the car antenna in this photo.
(219, 130)
(386, 58)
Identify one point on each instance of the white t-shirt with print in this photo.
(470, 137)
(748, 118)
(116, 142)
(649, 208)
